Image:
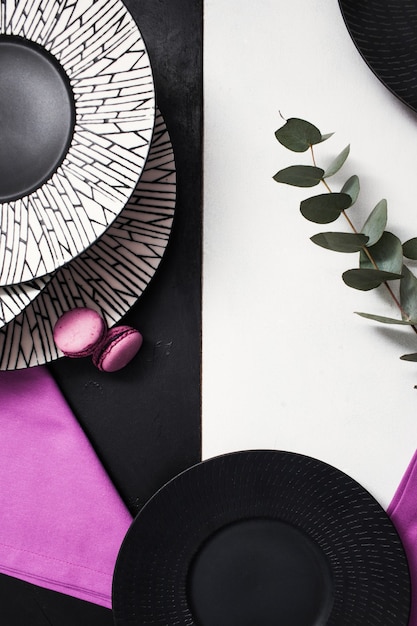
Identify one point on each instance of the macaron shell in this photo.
(121, 344)
(79, 331)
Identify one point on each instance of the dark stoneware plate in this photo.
(262, 537)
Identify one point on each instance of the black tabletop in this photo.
(145, 421)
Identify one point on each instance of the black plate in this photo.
(262, 537)
(384, 31)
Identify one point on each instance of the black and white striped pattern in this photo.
(15, 298)
(111, 274)
(102, 52)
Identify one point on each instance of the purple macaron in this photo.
(119, 347)
(79, 331)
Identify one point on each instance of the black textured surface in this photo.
(23, 604)
(362, 548)
(144, 421)
(384, 31)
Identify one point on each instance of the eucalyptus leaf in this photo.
(387, 253)
(340, 242)
(298, 135)
(352, 188)
(408, 294)
(384, 320)
(337, 163)
(376, 223)
(325, 208)
(326, 137)
(367, 279)
(300, 175)
(410, 249)
(409, 357)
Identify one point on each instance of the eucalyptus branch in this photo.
(365, 250)
(381, 253)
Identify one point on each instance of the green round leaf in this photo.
(410, 249)
(352, 188)
(340, 242)
(337, 163)
(408, 294)
(298, 135)
(387, 253)
(376, 223)
(300, 175)
(367, 279)
(325, 208)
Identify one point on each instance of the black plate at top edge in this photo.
(361, 569)
(385, 36)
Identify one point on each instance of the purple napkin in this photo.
(403, 513)
(61, 519)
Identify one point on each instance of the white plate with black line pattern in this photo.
(111, 274)
(15, 298)
(77, 109)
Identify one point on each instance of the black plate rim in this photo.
(363, 50)
(119, 603)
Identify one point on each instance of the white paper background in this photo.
(286, 362)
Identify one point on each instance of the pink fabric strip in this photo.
(403, 513)
(61, 520)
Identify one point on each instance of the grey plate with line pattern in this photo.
(111, 274)
(78, 108)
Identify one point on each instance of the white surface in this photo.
(286, 362)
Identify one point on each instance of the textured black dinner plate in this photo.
(262, 537)
(384, 31)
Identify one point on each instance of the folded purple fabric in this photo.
(61, 520)
(403, 513)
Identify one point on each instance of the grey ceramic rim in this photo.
(100, 49)
(364, 553)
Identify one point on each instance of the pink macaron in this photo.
(119, 347)
(79, 331)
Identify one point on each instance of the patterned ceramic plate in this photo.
(78, 108)
(262, 537)
(15, 298)
(112, 273)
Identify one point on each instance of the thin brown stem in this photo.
(366, 250)
(349, 221)
(313, 156)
